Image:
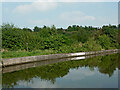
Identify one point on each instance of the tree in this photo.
(92, 45)
(27, 29)
(53, 29)
(104, 41)
(36, 29)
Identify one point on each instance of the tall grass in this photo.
(12, 54)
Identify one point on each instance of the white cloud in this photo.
(35, 6)
(79, 74)
(76, 16)
(37, 83)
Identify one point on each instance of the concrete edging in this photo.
(21, 60)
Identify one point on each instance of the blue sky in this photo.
(61, 14)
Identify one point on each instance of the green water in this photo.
(95, 72)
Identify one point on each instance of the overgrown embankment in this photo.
(18, 42)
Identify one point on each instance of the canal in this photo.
(96, 71)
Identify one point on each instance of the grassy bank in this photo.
(12, 54)
(64, 49)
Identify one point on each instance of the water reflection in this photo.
(45, 62)
(100, 71)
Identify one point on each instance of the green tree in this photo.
(92, 45)
(104, 41)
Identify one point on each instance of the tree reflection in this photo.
(106, 65)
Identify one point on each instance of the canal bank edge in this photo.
(28, 59)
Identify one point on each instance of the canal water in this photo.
(78, 72)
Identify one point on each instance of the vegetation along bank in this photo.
(20, 42)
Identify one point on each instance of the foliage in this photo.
(106, 43)
(73, 39)
(92, 45)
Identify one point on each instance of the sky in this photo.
(60, 14)
(119, 13)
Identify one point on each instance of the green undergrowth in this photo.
(12, 54)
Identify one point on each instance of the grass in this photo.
(64, 49)
(23, 53)
(12, 54)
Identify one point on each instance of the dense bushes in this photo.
(55, 42)
(104, 41)
(81, 35)
(47, 38)
(12, 39)
(73, 39)
(92, 45)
